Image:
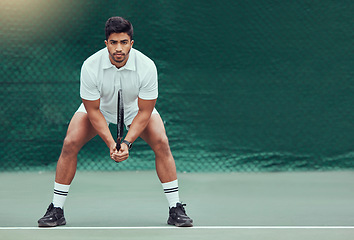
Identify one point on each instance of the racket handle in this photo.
(118, 144)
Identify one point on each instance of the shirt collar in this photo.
(130, 65)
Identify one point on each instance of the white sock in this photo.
(171, 192)
(60, 194)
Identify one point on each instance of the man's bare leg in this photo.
(80, 131)
(155, 135)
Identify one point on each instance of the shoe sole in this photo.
(185, 224)
(60, 222)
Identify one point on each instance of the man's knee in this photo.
(71, 145)
(161, 145)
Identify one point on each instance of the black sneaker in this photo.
(52, 218)
(178, 216)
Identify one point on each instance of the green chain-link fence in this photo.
(244, 85)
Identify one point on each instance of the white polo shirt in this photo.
(100, 79)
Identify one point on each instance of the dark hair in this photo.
(118, 25)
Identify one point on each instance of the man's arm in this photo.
(100, 125)
(141, 119)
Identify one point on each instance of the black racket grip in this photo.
(119, 140)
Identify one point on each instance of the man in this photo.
(114, 67)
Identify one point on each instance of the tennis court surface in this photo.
(131, 205)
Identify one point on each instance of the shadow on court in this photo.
(121, 200)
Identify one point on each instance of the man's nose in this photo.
(119, 47)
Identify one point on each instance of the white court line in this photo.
(168, 227)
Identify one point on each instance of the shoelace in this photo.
(181, 206)
(48, 209)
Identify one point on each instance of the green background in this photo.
(243, 85)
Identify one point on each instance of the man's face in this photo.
(119, 45)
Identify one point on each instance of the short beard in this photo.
(124, 58)
(118, 61)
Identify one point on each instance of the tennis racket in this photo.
(120, 119)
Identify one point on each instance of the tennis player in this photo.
(117, 66)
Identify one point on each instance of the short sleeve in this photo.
(88, 84)
(149, 85)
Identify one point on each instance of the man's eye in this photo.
(125, 42)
